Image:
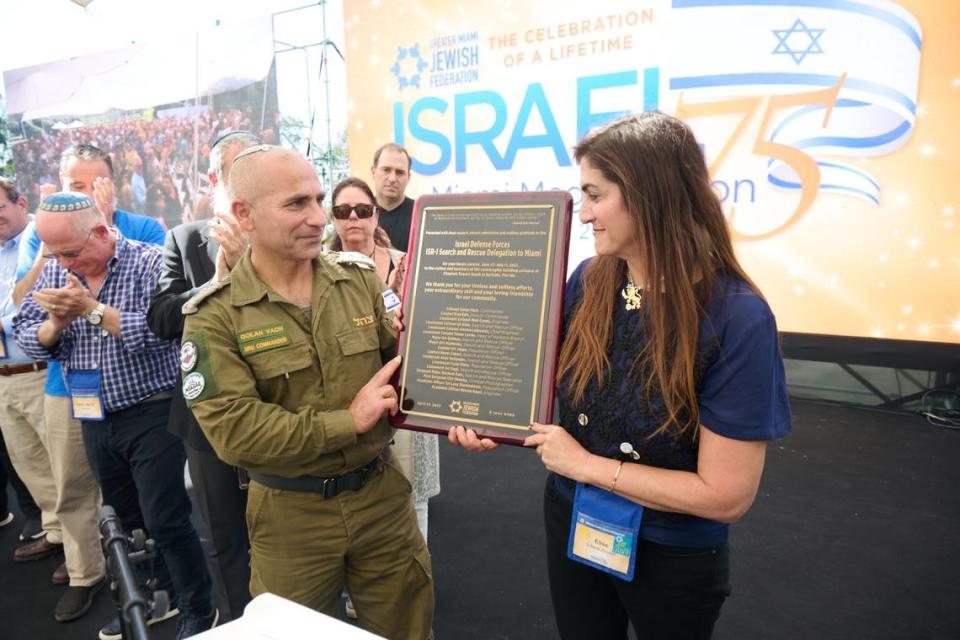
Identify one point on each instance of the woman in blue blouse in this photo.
(670, 381)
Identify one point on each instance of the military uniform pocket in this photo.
(361, 340)
(255, 499)
(278, 362)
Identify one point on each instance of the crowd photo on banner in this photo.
(155, 160)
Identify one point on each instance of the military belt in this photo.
(327, 487)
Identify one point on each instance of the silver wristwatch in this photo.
(95, 317)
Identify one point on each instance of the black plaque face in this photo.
(482, 311)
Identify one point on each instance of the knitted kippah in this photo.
(66, 201)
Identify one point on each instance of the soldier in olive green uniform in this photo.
(287, 381)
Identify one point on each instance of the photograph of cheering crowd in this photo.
(155, 159)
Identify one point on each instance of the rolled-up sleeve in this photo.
(29, 318)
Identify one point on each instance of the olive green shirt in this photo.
(269, 388)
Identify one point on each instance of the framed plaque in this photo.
(482, 307)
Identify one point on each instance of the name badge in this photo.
(3, 345)
(604, 531)
(86, 399)
(390, 300)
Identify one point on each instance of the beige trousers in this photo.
(46, 449)
(21, 419)
(78, 503)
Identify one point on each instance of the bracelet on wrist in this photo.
(616, 476)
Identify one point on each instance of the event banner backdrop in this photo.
(828, 125)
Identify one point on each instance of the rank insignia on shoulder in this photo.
(193, 304)
(354, 257)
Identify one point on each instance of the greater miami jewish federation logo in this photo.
(798, 41)
(408, 66)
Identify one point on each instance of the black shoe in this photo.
(188, 626)
(32, 530)
(75, 602)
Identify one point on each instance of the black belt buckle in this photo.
(330, 488)
(243, 479)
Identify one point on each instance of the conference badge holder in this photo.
(86, 401)
(604, 530)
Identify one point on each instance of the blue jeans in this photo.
(676, 592)
(139, 466)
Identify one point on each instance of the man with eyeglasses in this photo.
(286, 367)
(86, 169)
(88, 310)
(194, 254)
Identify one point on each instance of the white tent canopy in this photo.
(143, 76)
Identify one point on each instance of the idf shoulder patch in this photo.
(193, 385)
(199, 380)
(193, 304)
(263, 338)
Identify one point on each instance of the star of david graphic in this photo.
(798, 34)
(408, 66)
(456, 406)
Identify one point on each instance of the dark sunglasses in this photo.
(342, 211)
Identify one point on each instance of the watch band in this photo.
(96, 315)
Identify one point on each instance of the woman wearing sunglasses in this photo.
(356, 220)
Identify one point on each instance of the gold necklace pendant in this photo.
(632, 296)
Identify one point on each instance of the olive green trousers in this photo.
(307, 549)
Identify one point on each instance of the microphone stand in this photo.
(130, 601)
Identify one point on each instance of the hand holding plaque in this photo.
(482, 309)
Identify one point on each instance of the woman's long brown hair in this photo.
(659, 168)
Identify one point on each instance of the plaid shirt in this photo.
(134, 366)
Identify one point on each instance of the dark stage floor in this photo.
(854, 535)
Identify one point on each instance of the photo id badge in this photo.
(604, 531)
(86, 401)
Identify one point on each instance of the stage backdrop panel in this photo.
(828, 126)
